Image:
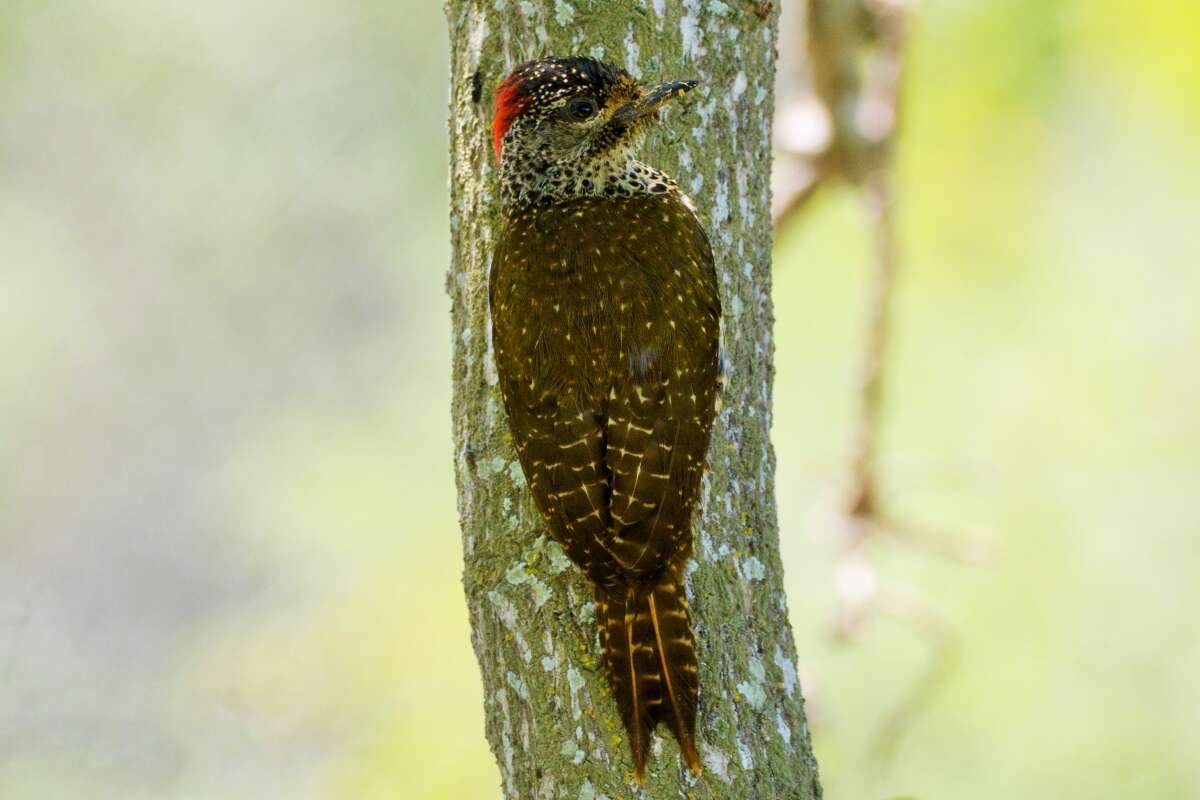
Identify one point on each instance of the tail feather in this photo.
(651, 655)
(675, 648)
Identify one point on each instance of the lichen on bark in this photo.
(551, 721)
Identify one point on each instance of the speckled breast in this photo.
(594, 290)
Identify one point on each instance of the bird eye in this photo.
(581, 108)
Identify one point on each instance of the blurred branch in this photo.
(838, 121)
(910, 610)
(839, 106)
(879, 201)
(974, 551)
(869, 147)
(861, 601)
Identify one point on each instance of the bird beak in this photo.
(662, 93)
(652, 101)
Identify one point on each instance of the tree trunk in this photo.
(551, 719)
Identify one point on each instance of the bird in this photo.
(605, 312)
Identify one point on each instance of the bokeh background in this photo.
(229, 556)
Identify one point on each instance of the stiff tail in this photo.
(651, 656)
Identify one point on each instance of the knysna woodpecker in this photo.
(605, 315)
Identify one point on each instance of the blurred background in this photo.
(226, 495)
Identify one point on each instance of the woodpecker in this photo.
(605, 321)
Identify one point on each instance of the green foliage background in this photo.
(229, 556)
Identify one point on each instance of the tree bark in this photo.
(551, 720)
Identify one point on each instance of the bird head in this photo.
(574, 115)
